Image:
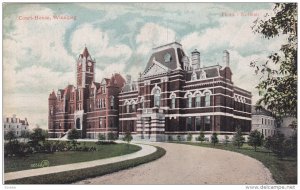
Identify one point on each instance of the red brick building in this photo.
(90, 107)
(175, 95)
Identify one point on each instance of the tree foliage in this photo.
(255, 139)
(278, 86)
(201, 137)
(214, 138)
(73, 134)
(127, 137)
(238, 139)
(10, 135)
(37, 135)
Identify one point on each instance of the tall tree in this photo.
(278, 87)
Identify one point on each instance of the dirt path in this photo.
(185, 164)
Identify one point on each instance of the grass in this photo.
(284, 171)
(77, 175)
(59, 158)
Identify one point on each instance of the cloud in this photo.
(152, 35)
(98, 43)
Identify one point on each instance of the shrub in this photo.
(226, 140)
(170, 138)
(189, 137)
(214, 138)
(111, 136)
(101, 137)
(178, 138)
(201, 137)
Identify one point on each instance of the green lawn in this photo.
(60, 158)
(77, 175)
(284, 170)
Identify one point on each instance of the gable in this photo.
(155, 69)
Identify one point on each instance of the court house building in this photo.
(174, 96)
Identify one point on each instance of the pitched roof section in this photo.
(52, 95)
(260, 111)
(117, 80)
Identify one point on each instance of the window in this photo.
(143, 103)
(207, 123)
(198, 123)
(133, 106)
(207, 99)
(100, 103)
(189, 101)
(198, 100)
(173, 102)
(262, 120)
(189, 123)
(127, 108)
(112, 102)
(157, 98)
(167, 57)
(100, 123)
(103, 103)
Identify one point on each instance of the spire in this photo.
(85, 52)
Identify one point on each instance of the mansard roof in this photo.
(173, 49)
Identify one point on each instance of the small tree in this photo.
(73, 135)
(189, 137)
(226, 140)
(238, 139)
(201, 137)
(127, 138)
(255, 139)
(214, 138)
(37, 136)
(277, 144)
(25, 134)
(101, 137)
(111, 136)
(10, 136)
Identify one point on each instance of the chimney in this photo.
(196, 59)
(226, 58)
(128, 79)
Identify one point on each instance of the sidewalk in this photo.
(146, 150)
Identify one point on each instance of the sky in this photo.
(40, 55)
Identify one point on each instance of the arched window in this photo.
(189, 101)
(133, 106)
(198, 100)
(100, 103)
(173, 102)
(157, 97)
(112, 102)
(207, 99)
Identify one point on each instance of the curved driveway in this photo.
(186, 164)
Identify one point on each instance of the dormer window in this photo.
(167, 57)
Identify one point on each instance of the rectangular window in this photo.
(189, 123)
(207, 123)
(198, 123)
